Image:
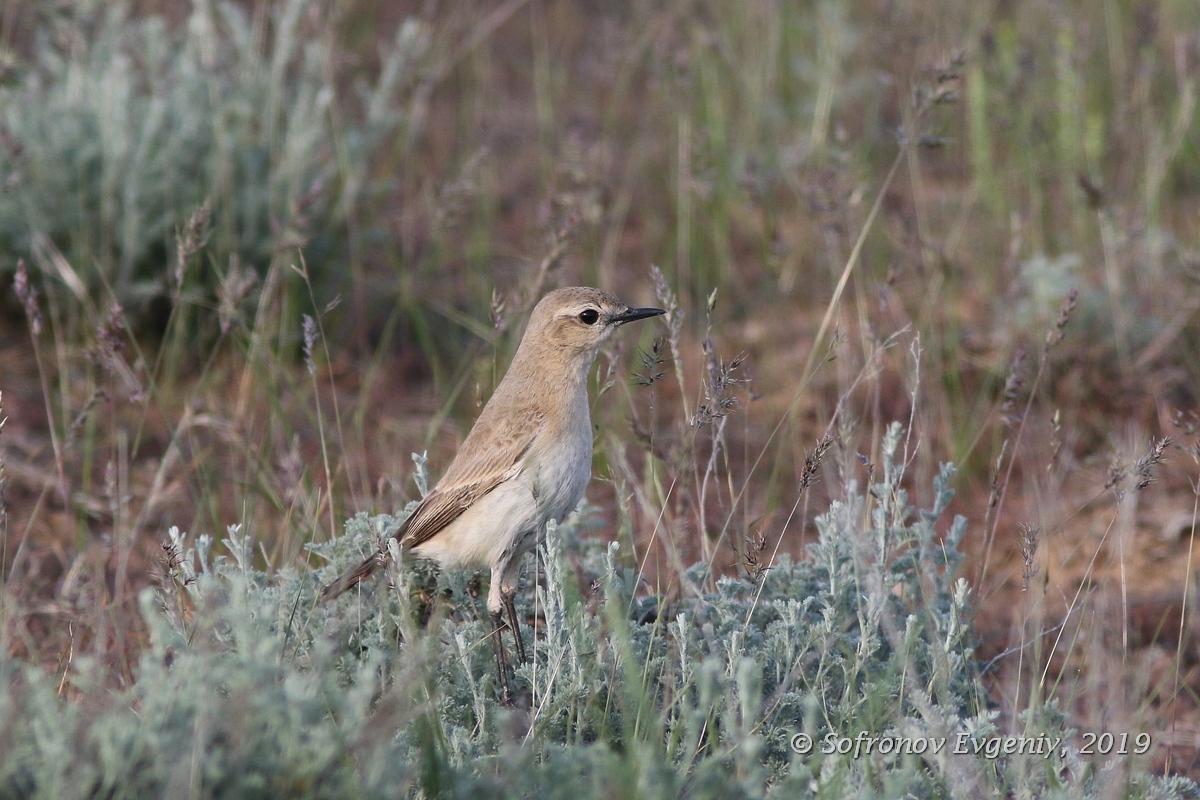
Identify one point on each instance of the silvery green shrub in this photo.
(250, 687)
(118, 128)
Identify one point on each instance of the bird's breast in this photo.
(559, 470)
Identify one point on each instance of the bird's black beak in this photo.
(631, 314)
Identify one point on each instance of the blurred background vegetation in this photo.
(982, 219)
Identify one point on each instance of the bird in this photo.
(526, 460)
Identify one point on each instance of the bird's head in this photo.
(574, 322)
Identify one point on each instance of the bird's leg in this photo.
(511, 607)
(501, 658)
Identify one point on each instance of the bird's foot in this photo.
(515, 626)
(501, 658)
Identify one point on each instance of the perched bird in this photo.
(526, 461)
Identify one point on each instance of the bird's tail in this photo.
(354, 577)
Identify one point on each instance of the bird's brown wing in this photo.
(486, 459)
(490, 455)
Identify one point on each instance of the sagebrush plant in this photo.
(738, 145)
(117, 128)
(251, 687)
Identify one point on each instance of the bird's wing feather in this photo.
(474, 472)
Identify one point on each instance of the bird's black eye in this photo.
(589, 316)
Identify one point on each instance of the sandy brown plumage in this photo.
(462, 486)
(527, 459)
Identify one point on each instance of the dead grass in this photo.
(776, 158)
